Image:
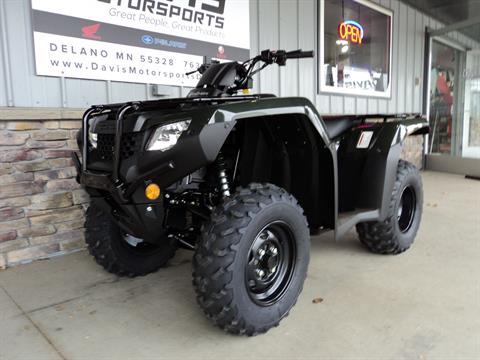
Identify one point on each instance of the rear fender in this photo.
(380, 168)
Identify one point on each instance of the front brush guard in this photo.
(104, 181)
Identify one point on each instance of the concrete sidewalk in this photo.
(423, 304)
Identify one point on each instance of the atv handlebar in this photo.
(298, 54)
(280, 56)
(269, 57)
(244, 72)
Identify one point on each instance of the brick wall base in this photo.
(413, 150)
(41, 205)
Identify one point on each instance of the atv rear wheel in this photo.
(119, 253)
(397, 233)
(252, 259)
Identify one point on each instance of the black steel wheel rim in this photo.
(406, 209)
(271, 263)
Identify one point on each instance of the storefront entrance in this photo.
(471, 119)
(453, 109)
(444, 85)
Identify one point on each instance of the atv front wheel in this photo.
(120, 253)
(397, 233)
(252, 259)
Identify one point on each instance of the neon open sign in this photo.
(351, 30)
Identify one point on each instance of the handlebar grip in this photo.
(298, 54)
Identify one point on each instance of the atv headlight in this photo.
(166, 136)
(92, 137)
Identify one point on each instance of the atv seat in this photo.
(336, 126)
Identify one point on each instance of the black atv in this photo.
(242, 180)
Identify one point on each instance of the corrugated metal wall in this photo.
(291, 24)
(29, 90)
(288, 24)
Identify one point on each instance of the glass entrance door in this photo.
(453, 99)
(444, 68)
(471, 121)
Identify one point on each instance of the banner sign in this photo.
(141, 41)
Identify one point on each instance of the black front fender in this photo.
(214, 134)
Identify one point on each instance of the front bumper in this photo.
(89, 179)
(144, 220)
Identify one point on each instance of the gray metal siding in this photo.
(3, 58)
(274, 24)
(407, 56)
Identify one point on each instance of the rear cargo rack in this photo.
(365, 117)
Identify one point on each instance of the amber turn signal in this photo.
(152, 191)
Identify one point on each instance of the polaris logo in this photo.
(150, 40)
(147, 39)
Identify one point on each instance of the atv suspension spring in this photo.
(222, 176)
